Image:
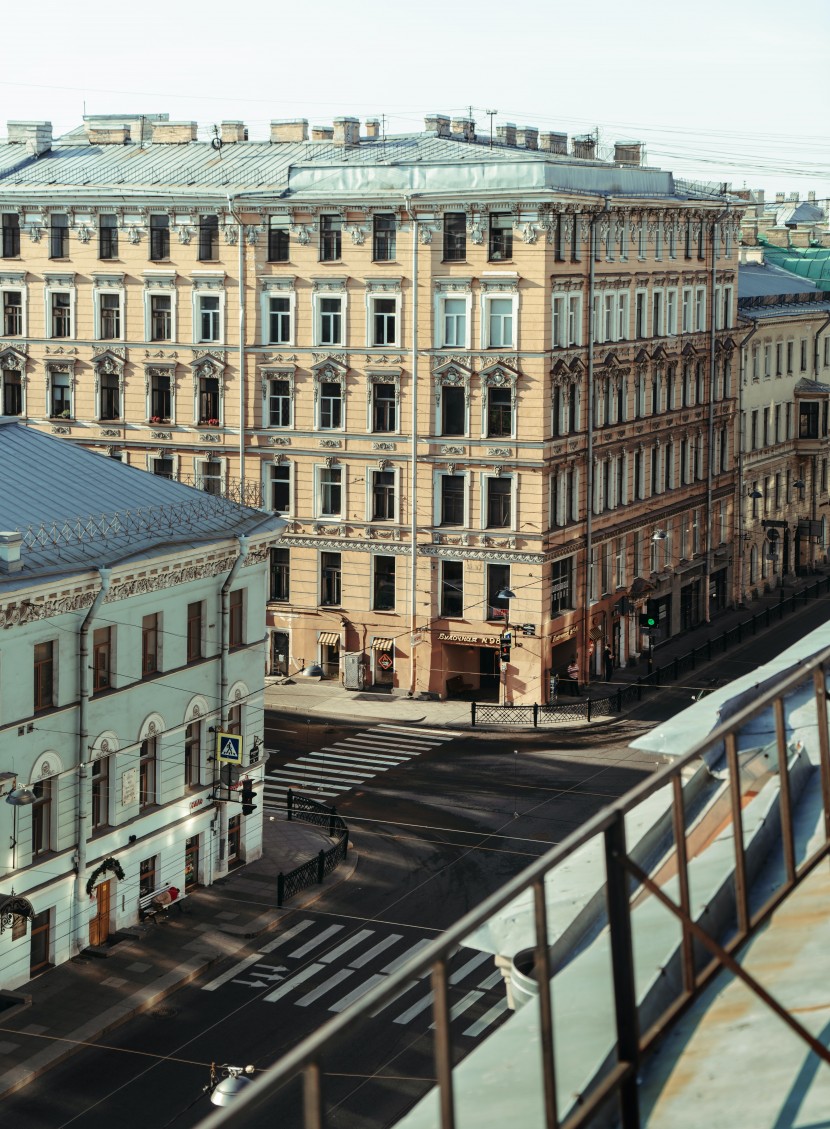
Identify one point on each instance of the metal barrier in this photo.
(317, 868)
(627, 885)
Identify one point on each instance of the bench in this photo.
(457, 685)
(147, 904)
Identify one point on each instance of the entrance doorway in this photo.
(489, 674)
(191, 864)
(234, 840)
(99, 926)
(330, 659)
(40, 943)
(279, 653)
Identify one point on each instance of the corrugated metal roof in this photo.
(784, 309)
(755, 281)
(84, 509)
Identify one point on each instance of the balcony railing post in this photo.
(312, 1097)
(443, 1043)
(541, 967)
(622, 966)
(785, 803)
(820, 685)
(741, 888)
(679, 826)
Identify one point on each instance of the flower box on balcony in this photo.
(208, 423)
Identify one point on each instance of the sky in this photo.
(718, 90)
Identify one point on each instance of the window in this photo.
(102, 659)
(567, 320)
(61, 315)
(147, 773)
(501, 237)
(278, 239)
(210, 477)
(331, 230)
(44, 676)
(110, 317)
(279, 403)
(383, 238)
(330, 572)
(498, 578)
(236, 627)
(161, 321)
(209, 399)
(500, 320)
(331, 405)
(499, 503)
(192, 754)
(42, 817)
(671, 312)
(11, 235)
(208, 238)
(455, 237)
(59, 236)
(641, 314)
(808, 420)
(279, 491)
(161, 407)
(110, 393)
(331, 321)
(455, 323)
(499, 412)
(195, 627)
(803, 354)
(150, 644)
(61, 406)
(384, 321)
(280, 575)
(159, 237)
(12, 392)
(383, 495)
(108, 237)
(208, 318)
(453, 410)
(384, 408)
(234, 722)
(452, 499)
(561, 588)
(279, 321)
(330, 492)
(147, 877)
(100, 793)
(12, 313)
(452, 588)
(383, 590)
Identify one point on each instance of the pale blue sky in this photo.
(718, 90)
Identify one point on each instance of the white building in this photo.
(132, 611)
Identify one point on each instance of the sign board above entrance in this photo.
(470, 640)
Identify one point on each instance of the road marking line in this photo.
(393, 741)
(462, 1006)
(364, 958)
(405, 956)
(322, 760)
(489, 1017)
(416, 1009)
(232, 972)
(394, 1000)
(340, 773)
(365, 747)
(366, 986)
(349, 943)
(285, 988)
(363, 753)
(345, 758)
(332, 982)
(287, 935)
(442, 735)
(474, 962)
(323, 937)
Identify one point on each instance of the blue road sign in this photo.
(229, 748)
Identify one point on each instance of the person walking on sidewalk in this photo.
(573, 675)
(609, 663)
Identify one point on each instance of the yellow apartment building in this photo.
(491, 386)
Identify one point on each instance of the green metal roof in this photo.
(808, 262)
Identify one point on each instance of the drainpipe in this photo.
(240, 242)
(589, 483)
(413, 456)
(819, 332)
(79, 922)
(739, 486)
(713, 321)
(221, 862)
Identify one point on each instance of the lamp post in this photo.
(506, 640)
(18, 797)
(224, 1089)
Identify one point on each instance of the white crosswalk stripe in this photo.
(336, 769)
(336, 965)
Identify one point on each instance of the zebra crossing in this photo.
(330, 966)
(335, 769)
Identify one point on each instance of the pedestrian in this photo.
(573, 675)
(609, 663)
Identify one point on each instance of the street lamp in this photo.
(223, 1091)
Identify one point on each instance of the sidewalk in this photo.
(82, 1000)
(321, 699)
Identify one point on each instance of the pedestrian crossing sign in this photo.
(228, 748)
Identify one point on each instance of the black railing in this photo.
(324, 862)
(591, 708)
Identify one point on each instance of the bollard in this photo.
(588, 718)
(289, 803)
(473, 714)
(321, 862)
(535, 716)
(280, 889)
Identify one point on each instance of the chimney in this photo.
(585, 146)
(465, 128)
(231, 132)
(289, 129)
(793, 197)
(107, 135)
(811, 197)
(173, 133)
(10, 546)
(346, 131)
(759, 195)
(437, 123)
(36, 136)
(554, 143)
(506, 134)
(372, 127)
(322, 133)
(528, 137)
(628, 152)
(779, 197)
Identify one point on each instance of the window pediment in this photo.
(12, 359)
(330, 369)
(499, 376)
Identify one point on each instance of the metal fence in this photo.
(590, 708)
(627, 885)
(324, 862)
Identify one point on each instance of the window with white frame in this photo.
(700, 309)
(329, 491)
(382, 495)
(671, 312)
(498, 502)
(567, 320)
(383, 584)
(454, 323)
(687, 309)
(611, 315)
(279, 319)
(278, 487)
(329, 317)
(12, 389)
(161, 322)
(108, 298)
(60, 297)
(208, 389)
(13, 293)
(160, 394)
(657, 313)
(498, 321)
(60, 380)
(451, 499)
(208, 318)
(331, 405)
(383, 406)
(109, 379)
(452, 404)
(160, 305)
(210, 475)
(279, 400)
(383, 313)
(640, 314)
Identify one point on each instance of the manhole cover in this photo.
(164, 1012)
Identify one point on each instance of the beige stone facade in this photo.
(466, 369)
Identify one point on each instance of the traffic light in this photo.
(248, 804)
(647, 621)
(504, 647)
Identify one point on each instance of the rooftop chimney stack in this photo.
(346, 131)
(527, 137)
(36, 136)
(554, 143)
(811, 197)
(464, 128)
(628, 152)
(793, 197)
(779, 197)
(322, 133)
(437, 123)
(289, 129)
(231, 132)
(173, 133)
(10, 546)
(107, 134)
(373, 128)
(506, 134)
(585, 146)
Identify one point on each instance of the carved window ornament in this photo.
(12, 360)
(452, 376)
(208, 280)
(279, 284)
(277, 372)
(329, 371)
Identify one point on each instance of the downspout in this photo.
(713, 321)
(240, 241)
(589, 470)
(813, 508)
(739, 485)
(819, 332)
(413, 456)
(221, 862)
(83, 755)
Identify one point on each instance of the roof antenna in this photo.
(216, 141)
(491, 114)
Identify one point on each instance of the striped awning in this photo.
(595, 633)
(383, 645)
(332, 638)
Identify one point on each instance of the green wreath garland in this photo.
(108, 864)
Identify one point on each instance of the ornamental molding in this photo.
(327, 283)
(284, 282)
(60, 429)
(380, 445)
(161, 435)
(461, 554)
(499, 453)
(209, 437)
(279, 440)
(356, 545)
(330, 370)
(453, 450)
(331, 443)
(13, 356)
(341, 359)
(220, 356)
(453, 285)
(110, 433)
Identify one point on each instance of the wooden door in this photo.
(99, 926)
(39, 951)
